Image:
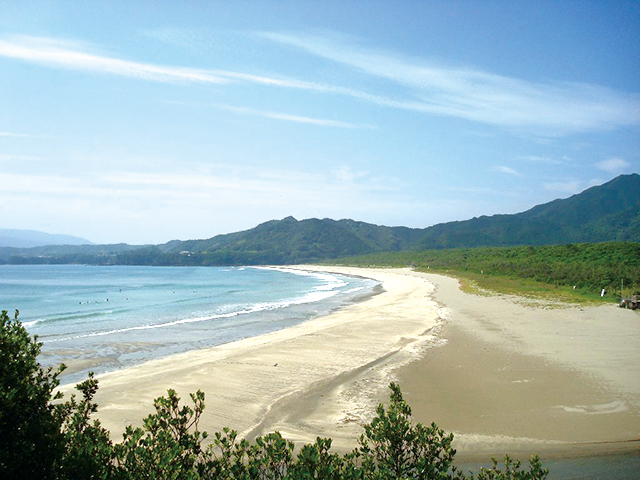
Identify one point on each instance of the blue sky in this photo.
(142, 122)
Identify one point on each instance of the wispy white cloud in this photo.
(40, 184)
(566, 187)
(304, 191)
(550, 109)
(346, 174)
(477, 190)
(62, 54)
(218, 187)
(293, 118)
(473, 94)
(58, 54)
(71, 55)
(507, 170)
(20, 158)
(181, 37)
(11, 134)
(613, 165)
(128, 199)
(545, 160)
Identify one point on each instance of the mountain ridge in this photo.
(34, 238)
(609, 212)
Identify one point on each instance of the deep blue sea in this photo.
(106, 318)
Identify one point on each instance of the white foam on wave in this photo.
(354, 290)
(311, 297)
(30, 324)
(148, 327)
(327, 277)
(616, 406)
(332, 282)
(332, 285)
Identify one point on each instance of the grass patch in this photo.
(484, 285)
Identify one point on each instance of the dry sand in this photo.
(504, 375)
(520, 376)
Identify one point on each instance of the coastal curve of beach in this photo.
(506, 375)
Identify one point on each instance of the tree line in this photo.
(587, 266)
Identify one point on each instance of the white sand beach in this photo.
(505, 376)
(522, 376)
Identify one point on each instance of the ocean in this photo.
(107, 318)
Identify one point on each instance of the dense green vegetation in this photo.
(588, 267)
(43, 437)
(610, 212)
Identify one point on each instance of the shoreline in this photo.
(326, 376)
(247, 381)
(519, 376)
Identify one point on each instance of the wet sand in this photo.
(519, 376)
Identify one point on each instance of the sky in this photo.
(143, 122)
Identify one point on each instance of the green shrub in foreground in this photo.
(42, 437)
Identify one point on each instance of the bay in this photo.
(107, 318)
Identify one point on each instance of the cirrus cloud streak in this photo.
(547, 108)
(465, 92)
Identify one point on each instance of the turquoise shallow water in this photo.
(105, 318)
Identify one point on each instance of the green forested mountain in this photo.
(610, 212)
(323, 238)
(64, 253)
(292, 241)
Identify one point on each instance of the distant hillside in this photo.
(292, 241)
(610, 212)
(84, 254)
(33, 238)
